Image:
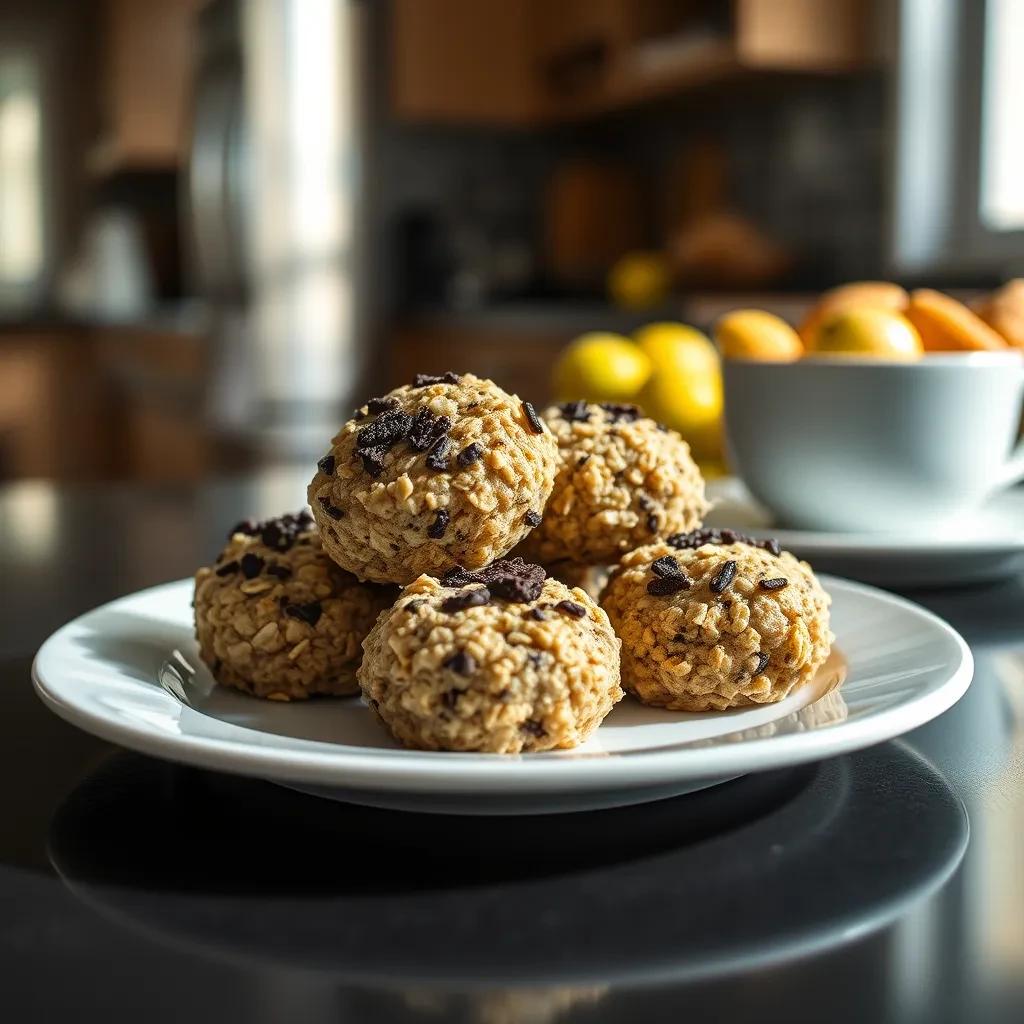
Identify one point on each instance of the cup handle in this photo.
(1013, 472)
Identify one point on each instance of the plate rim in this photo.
(479, 773)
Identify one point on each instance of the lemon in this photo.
(601, 367)
(757, 334)
(638, 280)
(690, 404)
(869, 331)
(677, 348)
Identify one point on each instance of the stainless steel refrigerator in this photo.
(276, 203)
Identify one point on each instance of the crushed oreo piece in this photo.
(326, 465)
(252, 565)
(512, 579)
(535, 422)
(533, 728)
(227, 568)
(246, 527)
(470, 454)
(709, 535)
(575, 412)
(533, 519)
(666, 566)
(621, 413)
(457, 576)
(375, 406)
(385, 431)
(665, 586)
(309, 612)
(461, 662)
(426, 429)
(279, 533)
(652, 522)
(762, 662)
(775, 584)
(538, 614)
(720, 582)
(282, 572)
(423, 380)
(436, 529)
(577, 611)
(330, 509)
(466, 599)
(373, 461)
(437, 457)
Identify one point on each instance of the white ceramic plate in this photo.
(987, 547)
(129, 672)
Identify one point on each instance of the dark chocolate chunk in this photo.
(252, 565)
(330, 509)
(326, 465)
(309, 612)
(470, 454)
(533, 728)
(666, 566)
(466, 599)
(533, 519)
(773, 547)
(450, 698)
(762, 662)
(621, 413)
(436, 529)
(644, 501)
(385, 431)
(667, 585)
(462, 663)
(246, 526)
(535, 422)
(227, 568)
(422, 380)
(437, 457)
(415, 605)
(282, 572)
(577, 611)
(575, 412)
(582, 460)
(720, 582)
(538, 613)
(652, 522)
(775, 584)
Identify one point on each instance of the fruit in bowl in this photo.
(868, 331)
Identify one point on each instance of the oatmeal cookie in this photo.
(501, 660)
(277, 618)
(447, 471)
(622, 481)
(712, 620)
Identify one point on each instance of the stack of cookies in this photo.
(497, 523)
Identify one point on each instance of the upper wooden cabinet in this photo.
(145, 70)
(529, 62)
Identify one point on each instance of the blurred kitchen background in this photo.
(223, 222)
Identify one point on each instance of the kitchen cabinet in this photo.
(145, 73)
(530, 62)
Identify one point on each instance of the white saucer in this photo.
(129, 672)
(988, 547)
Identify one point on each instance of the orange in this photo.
(1003, 311)
(946, 325)
(876, 294)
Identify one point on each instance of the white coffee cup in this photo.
(841, 443)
